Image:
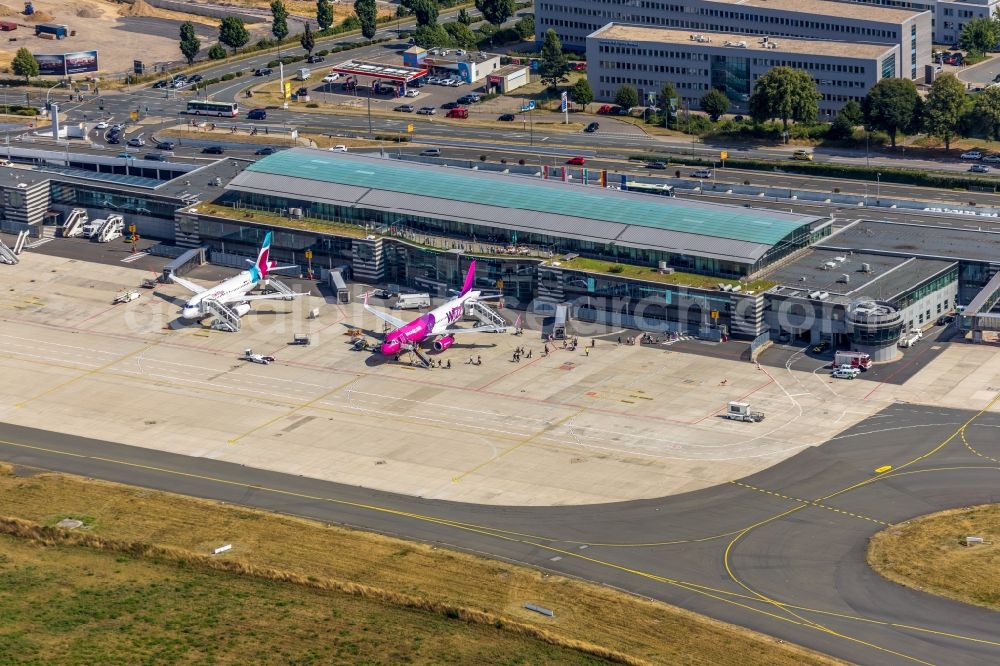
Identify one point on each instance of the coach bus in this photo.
(651, 188)
(207, 108)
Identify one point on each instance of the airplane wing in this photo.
(235, 298)
(475, 329)
(187, 284)
(384, 316)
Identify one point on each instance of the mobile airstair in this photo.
(22, 238)
(277, 286)
(7, 255)
(225, 318)
(421, 359)
(487, 315)
(112, 229)
(73, 226)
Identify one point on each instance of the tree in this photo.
(891, 105)
(279, 20)
(980, 35)
(496, 11)
(233, 33)
(581, 93)
(785, 93)
(944, 108)
(552, 66)
(366, 11)
(426, 11)
(525, 26)
(463, 16)
(627, 96)
(461, 35)
(714, 103)
(307, 40)
(988, 110)
(189, 44)
(24, 64)
(852, 113)
(429, 36)
(324, 14)
(217, 52)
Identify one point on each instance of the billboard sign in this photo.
(51, 65)
(64, 64)
(81, 62)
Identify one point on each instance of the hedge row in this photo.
(884, 174)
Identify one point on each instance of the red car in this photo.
(579, 161)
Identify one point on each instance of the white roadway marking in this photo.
(906, 427)
(56, 344)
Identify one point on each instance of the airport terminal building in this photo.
(627, 259)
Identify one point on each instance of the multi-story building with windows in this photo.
(694, 63)
(909, 29)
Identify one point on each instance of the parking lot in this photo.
(591, 424)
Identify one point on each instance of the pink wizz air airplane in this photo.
(434, 325)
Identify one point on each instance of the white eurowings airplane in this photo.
(233, 292)
(435, 325)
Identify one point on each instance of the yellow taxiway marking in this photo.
(808, 502)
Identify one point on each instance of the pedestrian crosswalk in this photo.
(677, 339)
(134, 257)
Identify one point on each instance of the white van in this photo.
(91, 227)
(412, 301)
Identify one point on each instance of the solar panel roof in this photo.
(760, 226)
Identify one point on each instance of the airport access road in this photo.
(782, 551)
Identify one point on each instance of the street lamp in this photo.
(878, 188)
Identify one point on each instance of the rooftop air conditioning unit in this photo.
(866, 268)
(813, 295)
(830, 264)
(295, 213)
(823, 295)
(845, 278)
(840, 260)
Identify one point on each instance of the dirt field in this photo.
(120, 33)
(927, 554)
(646, 631)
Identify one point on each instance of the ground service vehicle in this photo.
(248, 355)
(740, 411)
(207, 108)
(846, 372)
(412, 301)
(853, 359)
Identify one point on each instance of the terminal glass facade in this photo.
(731, 75)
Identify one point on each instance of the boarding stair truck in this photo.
(412, 301)
(559, 324)
(740, 411)
(859, 360)
(74, 224)
(112, 229)
(487, 315)
(7, 255)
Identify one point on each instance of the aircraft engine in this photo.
(443, 343)
(242, 309)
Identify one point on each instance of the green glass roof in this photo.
(718, 221)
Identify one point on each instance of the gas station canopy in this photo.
(380, 71)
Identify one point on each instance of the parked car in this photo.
(434, 80)
(803, 155)
(313, 59)
(450, 105)
(507, 117)
(266, 150)
(154, 157)
(979, 168)
(339, 148)
(702, 173)
(578, 161)
(656, 165)
(257, 114)
(431, 152)
(605, 109)
(972, 155)
(944, 320)
(412, 93)
(331, 77)
(992, 159)
(592, 127)
(213, 150)
(417, 83)
(263, 71)
(426, 111)
(471, 98)
(404, 108)
(165, 145)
